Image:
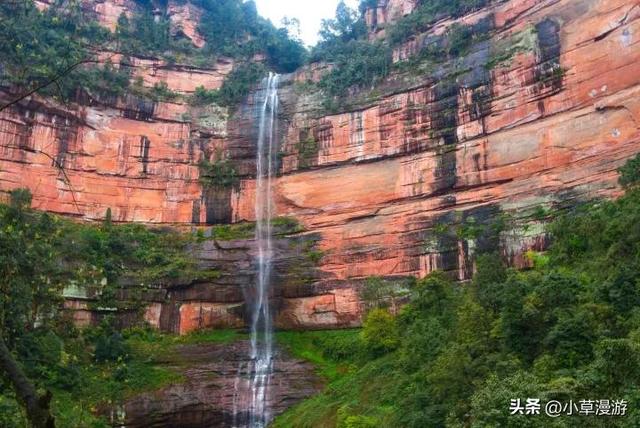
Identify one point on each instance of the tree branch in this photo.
(37, 406)
(51, 81)
(60, 168)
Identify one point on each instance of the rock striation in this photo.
(206, 398)
(436, 164)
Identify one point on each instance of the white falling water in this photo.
(254, 401)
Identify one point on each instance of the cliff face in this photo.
(427, 170)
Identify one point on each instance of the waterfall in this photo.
(254, 400)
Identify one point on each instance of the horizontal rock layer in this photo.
(537, 115)
(215, 391)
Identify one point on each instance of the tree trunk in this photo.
(37, 407)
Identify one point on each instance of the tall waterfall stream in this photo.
(251, 399)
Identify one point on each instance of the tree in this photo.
(630, 173)
(380, 332)
(380, 293)
(29, 292)
(41, 52)
(346, 25)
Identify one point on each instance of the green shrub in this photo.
(220, 173)
(239, 83)
(380, 333)
(427, 13)
(37, 48)
(630, 173)
(161, 92)
(456, 355)
(358, 64)
(230, 232)
(202, 97)
(233, 28)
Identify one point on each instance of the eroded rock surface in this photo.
(208, 397)
(435, 165)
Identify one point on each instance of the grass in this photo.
(361, 392)
(156, 346)
(354, 395)
(286, 225)
(246, 230)
(101, 385)
(313, 346)
(230, 232)
(356, 398)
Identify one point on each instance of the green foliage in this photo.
(307, 152)
(314, 255)
(457, 354)
(381, 293)
(346, 26)
(104, 80)
(233, 28)
(10, 412)
(459, 38)
(286, 225)
(41, 254)
(426, 14)
(220, 173)
(357, 64)
(332, 352)
(504, 50)
(37, 47)
(145, 33)
(239, 83)
(73, 367)
(380, 332)
(202, 97)
(161, 92)
(31, 279)
(630, 173)
(234, 89)
(109, 344)
(230, 232)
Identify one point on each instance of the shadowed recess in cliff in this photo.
(452, 240)
(549, 73)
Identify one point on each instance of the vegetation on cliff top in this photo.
(54, 51)
(567, 329)
(358, 64)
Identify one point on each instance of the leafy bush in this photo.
(145, 33)
(239, 83)
(630, 173)
(229, 232)
(380, 332)
(359, 64)
(202, 96)
(427, 13)
(220, 173)
(105, 80)
(161, 92)
(109, 343)
(456, 355)
(234, 28)
(37, 47)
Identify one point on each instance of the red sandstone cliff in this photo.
(391, 186)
